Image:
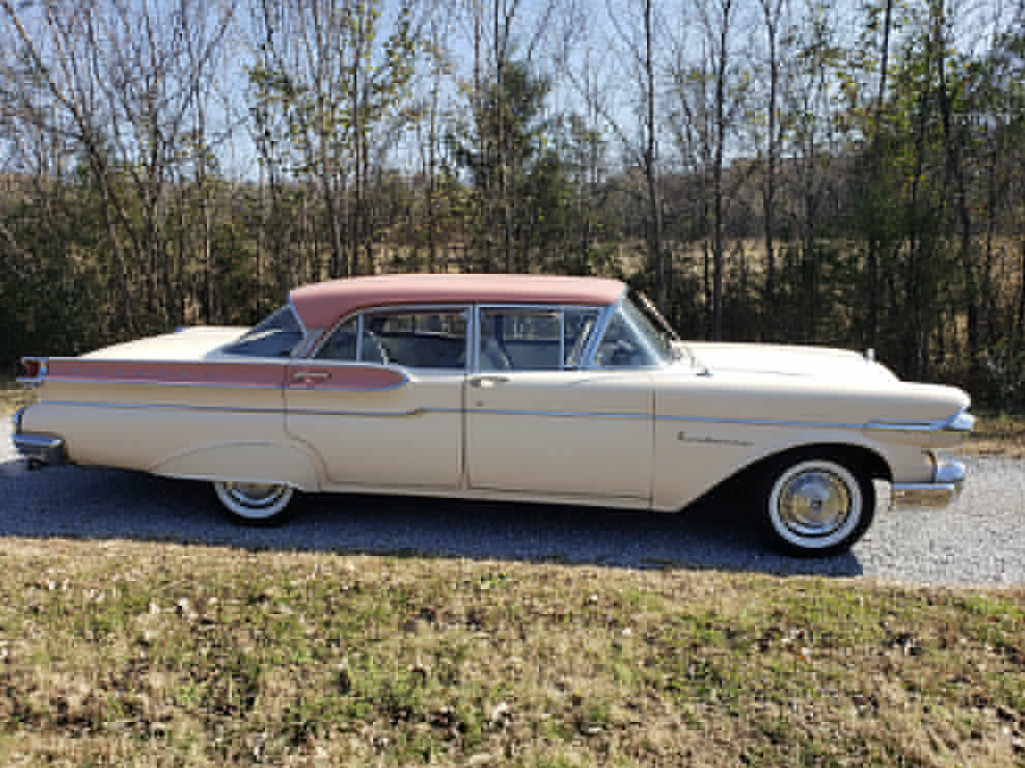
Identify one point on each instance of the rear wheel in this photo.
(254, 503)
(814, 507)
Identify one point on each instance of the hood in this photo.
(184, 344)
(776, 360)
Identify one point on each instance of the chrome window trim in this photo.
(589, 355)
(640, 336)
(305, 340)
(559, 309)
(296, 350)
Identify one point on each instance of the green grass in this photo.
(158, 654)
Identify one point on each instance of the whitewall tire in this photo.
(254, 503)
(817, 507)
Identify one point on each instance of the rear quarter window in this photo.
(276, 336)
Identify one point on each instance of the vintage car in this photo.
(513, 387)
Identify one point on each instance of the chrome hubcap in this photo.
(256, 494)
(814, 503)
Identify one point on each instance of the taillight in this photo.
(33, 370)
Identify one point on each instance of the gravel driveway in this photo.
(977, 540)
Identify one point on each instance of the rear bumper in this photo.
(38, 448)
(948, 479)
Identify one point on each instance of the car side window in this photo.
(416, 339)
(621, 347)
(276, 336)
(533, 339)
(341, 344)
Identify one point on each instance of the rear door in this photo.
(381, 401)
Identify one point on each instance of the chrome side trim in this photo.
(490, 411)
(373, 414)
(194, 384)
(962, 421)
(763, 422)
(264, 411)
(158, 406)
(560, 414)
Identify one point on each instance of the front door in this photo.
(536, 424)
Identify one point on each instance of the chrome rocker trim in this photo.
(948, 479)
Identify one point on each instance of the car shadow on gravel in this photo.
(103, 504)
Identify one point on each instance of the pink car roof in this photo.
(321, 304)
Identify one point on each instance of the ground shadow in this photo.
(83, 502)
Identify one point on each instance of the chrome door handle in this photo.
(488, 382)
(311, 376)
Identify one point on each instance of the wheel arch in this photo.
(857, 457)
(239, 461)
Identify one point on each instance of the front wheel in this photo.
(817, 507)
(254, 503)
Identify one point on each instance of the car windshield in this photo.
(650, 324)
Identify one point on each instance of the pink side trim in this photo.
(271, 375)
(171, 373)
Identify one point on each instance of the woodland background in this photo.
(840, 172)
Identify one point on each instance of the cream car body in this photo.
(523, 388)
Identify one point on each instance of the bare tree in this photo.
(772, 17)
(637, 36)
(336, 75)
(120, 81)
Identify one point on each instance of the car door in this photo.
(537, 424)
(380, 401)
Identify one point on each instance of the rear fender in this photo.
(243, 462)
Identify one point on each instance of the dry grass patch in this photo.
(160, 654)
(998, 435)
(13, 396)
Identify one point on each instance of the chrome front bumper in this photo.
(948, 479)
(38, 449)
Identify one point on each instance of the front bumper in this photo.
(948, 479)
(39, 449)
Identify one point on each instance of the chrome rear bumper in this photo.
(948, 479)
(38, 449)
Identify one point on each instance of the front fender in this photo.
(691, 459)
